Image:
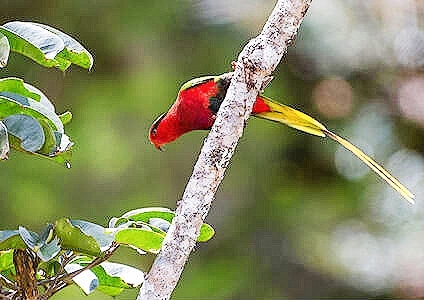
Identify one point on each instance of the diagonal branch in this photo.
(255, 63)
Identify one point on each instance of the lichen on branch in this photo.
(255, 64)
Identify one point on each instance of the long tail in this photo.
(267, 109)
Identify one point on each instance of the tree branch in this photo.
(26, 262)
(255, 63)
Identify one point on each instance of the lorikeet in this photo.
(198, 102)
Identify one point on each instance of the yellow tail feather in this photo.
(298, 120)
(394, 183)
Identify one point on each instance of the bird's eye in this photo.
(154, 128)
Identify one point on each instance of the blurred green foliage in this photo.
(282, 198)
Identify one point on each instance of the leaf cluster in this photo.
(66, 251)
(28, 120)
(76, 251)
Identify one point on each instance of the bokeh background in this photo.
(296, 215)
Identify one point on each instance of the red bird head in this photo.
(195, 107)
(156, 133)
(166, 129)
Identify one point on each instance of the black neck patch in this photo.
(216, 101)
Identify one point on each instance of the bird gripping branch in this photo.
(199, 100)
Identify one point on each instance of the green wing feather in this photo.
(196, 81)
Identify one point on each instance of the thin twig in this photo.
(52, 282)
(10, 284)
(15, 295)
(98, 260)
(60, 285)
(65, 279)
(61, 271)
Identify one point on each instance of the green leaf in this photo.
(4, 50)
(130, 275)
(143, 239)
(51, 267)
(49, 250)
(18, 86)
(27, 129)
(32, 41)
(11, 103)
(74, 52)
(206, 233)
(72, 238)
(110, 286)
(86, 280)
(10, 239)
(66, 117)
(4, 142)
(159, 223)
(39, 243)
(96, 231)
(152, 227)
(30, 238)
(50, 142)
(20, 98)
(114, 277)
(6, 260)
(47, 233)
(145, 214)
(119, 224)
(116, 222)
(46, 45)
(83, 236)
(62, 158)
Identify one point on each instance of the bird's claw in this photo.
(265, 83)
